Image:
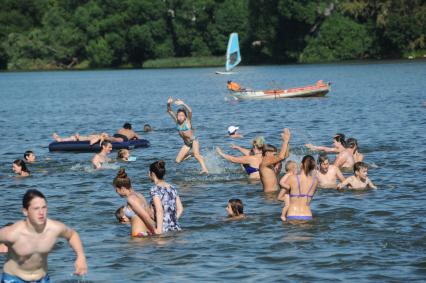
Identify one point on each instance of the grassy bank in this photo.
(185, 62)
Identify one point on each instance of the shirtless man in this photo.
(328, 173)
(267, 169)
(102, 157)
(126, 133)
(29, 242)
(360, 180)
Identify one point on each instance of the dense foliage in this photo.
(110, 33)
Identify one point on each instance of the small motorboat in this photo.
(318, 90)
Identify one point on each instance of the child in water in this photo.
(121, 216)
(291, 170)
(235, 209)
(359, 180)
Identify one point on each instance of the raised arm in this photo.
(136, 206)
(75, 243)
(159, 213)
(187, 108)
(285, 136)
(234, 159)
(322, 148)
(243, 150)
(169, 108)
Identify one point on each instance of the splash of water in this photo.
(213, 162)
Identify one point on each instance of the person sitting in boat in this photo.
(233, 86)
(126, 133)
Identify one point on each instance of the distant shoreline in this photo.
(196, 62)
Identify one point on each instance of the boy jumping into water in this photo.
(359, 180)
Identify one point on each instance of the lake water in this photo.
(370, 236)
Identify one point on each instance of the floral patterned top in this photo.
(168, 200)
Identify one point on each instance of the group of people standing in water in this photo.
(28, 242)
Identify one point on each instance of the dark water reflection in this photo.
(364, 236)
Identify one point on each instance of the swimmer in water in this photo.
(165, 200)
(291, 170)
(29, 156)
(147, 128)
(30, 241)
(338, 145)
(328, 173)
(250, 160)
(302, 190)
(271, 164)
(344, 159)
(353, 145)
(20, 168)
(120, 214)
(137, 209)
(123, 154)
(184, 126)
(235, 209)
(360, 180)
(232, 132)
(102, 157)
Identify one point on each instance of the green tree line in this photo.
(37, 34)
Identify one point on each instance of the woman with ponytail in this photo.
(165, 200)
(302, 190)
(137, 206)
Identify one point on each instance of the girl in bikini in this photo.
(137, 209)
(182, 119)
(302, 190)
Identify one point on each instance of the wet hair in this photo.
(27, 154)
(21, 163)
(287, 165)
(268, 148)
(105, 143)
(121, 180)
(259, 142)
(352, 143)
(340, 138)
(359, 165)
(119, 214)
(120, 153)
(237, 206)
(322, 158)
(158, 168)
(29, 196)
(127, 126)
(308, 164)
(183, 111)
(147, 128)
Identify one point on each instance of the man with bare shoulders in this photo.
(102, 157)
(126, 133)
(29, 242)
(267, 169)
(328, 174)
